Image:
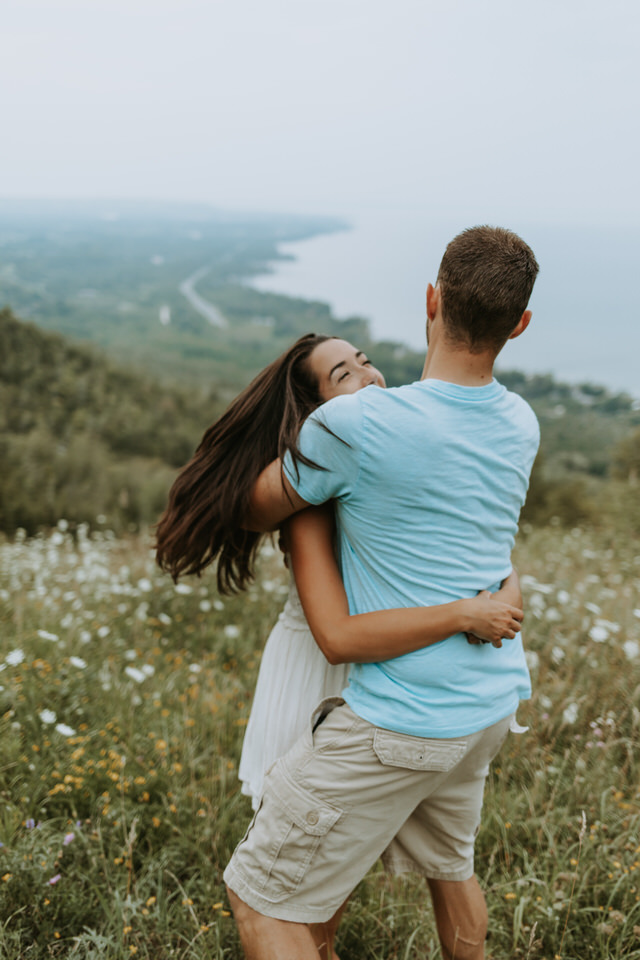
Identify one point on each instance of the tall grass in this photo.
(123, 701)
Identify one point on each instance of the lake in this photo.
(585, 323)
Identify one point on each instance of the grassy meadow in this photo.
(123, 701)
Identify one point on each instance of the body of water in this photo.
(585, 323)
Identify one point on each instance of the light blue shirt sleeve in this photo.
(331, 437)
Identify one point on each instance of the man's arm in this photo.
(273, 499)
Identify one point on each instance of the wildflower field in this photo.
(123, 701)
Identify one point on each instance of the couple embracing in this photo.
(424, 485)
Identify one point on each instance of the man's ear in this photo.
(433, 301)
(522, 325)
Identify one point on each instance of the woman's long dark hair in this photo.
(210, 497)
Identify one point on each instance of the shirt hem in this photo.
(428, 731)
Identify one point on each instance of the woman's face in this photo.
(338, 367)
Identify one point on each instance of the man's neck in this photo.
(457, 365)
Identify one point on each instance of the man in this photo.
(428, 481)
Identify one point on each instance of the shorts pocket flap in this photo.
(415, 753)
(310, 813)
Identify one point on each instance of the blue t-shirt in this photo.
(428, 481)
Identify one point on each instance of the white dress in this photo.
(294, 677)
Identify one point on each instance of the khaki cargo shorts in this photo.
(348, 791)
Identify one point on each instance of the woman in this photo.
(203, 522)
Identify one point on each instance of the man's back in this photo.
(429, 480)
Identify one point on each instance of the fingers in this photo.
(505, 631)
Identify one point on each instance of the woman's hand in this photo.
(490, 620)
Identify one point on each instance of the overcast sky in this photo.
(493, 108)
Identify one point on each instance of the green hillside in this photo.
(80, 436)
(162, 293)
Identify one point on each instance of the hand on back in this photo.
(492, 621)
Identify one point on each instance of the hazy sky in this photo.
(495, 108)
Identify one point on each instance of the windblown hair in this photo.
(210, 498)
(486, 277)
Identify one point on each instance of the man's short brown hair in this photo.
(485, 278)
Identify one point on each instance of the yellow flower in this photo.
(6, 877)
(151, 901)
(510, 896)
(155, 821)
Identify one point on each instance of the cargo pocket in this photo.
(415, 753)
(297, 821)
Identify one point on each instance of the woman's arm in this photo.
(510, 591)
(371, 637)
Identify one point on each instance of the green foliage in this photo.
(626, 458)
(567, 501)
(79, 437)
(580, 423)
